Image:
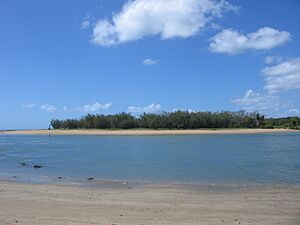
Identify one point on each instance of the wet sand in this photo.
(146, 132)
(41, 204)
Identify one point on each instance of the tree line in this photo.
(169, 120)
(285, 122)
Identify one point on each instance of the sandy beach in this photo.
(41, 204)
(146, 132)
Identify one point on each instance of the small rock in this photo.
(24, 164)
(90, 178)
(37, 166)
(59, 178)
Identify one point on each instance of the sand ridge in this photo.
(146, 132)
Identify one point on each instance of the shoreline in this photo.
(47, 204)
(145, 132)
(95, 182)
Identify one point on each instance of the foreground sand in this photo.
(146, 132)
(154, 205)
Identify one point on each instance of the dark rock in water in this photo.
(24, 164)
(37, 166)
(90, 178)
(59, 178)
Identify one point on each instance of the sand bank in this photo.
(146, 132)
(36, 204)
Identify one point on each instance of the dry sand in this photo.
(36, 204)
(146, 132)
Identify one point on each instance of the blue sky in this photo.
(64, 59)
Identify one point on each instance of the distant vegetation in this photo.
(172, 120)
(177, 120)
(286, 122)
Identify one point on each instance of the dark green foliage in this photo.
(287, 122)
(167, 120)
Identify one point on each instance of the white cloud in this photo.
(48, 108)
(215, 26)
(149, 62)
(89, 108)
(294, 111)
(273, 59)
(232, 42)
(152, 108)
(165, 18)
(184, 110)
(283, 76)
(96, 107)
(266, 104)
(85, 24)
(87, 21)
(28, 105)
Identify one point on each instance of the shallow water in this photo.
(230, 158)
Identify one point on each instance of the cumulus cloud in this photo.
(232, 42)
(149, 62)
(152, 108)
(28, 105)
(283, 76)
(96, 107)
(48, 108)
(89, 108)
(267, 104)
(165, 18)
